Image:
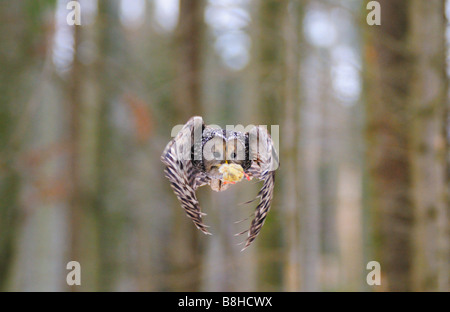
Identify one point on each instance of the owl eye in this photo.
(235, 151)
(214, 149)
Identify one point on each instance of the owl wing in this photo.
(184, 177)
(265, 161)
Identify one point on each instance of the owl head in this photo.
(221, 147)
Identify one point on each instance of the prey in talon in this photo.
(204, 155)
(231, 173)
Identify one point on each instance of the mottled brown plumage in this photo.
(200, 155)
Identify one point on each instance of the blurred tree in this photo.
(388, 70)
(269, 59)
(268, 65)
(190, 31)
(23, 37)
(76, 195)
(406, 105)
(109, 155)
(293, 14)
(315, 80)
(428, 149)
(186, 249)
(93, 88)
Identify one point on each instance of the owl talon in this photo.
(247, 177)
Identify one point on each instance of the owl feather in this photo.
(186, 170)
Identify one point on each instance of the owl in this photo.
(205, 155)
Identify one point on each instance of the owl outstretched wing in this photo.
(264, 163)
(184, 177)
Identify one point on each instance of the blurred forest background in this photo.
(86, 111)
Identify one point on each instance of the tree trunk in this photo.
(428, 100)
(186, 252)
(389, 172)
(9, 175)
(269, 59)
(95, 222)
(22, 52)
(75, 194)
(189, 67)
(108, 161)
(268, 64)
(290, 129)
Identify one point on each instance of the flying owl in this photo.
(204, 155)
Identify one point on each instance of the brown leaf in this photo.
(142, 117)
